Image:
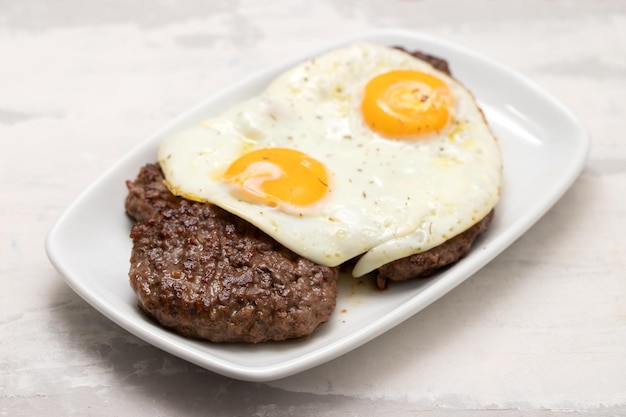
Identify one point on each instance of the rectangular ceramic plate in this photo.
(544, 148)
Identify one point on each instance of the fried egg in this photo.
(362, 152)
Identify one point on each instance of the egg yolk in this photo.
(407, 103)
(275, 176)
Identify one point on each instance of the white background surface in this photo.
(540, 331)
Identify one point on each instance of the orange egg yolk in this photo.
(275, 176)
(406, 103)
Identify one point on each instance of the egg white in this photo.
(388, 198)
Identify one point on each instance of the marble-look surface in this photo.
(540, 331)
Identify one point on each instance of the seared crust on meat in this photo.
(427, 263)
(206, 273)
(147, 194)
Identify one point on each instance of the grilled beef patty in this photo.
(427, 263)
(206, 273)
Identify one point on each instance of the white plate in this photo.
(544, 148)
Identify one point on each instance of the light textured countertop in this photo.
(540, 331)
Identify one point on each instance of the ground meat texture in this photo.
(207, 274)
(427, 263)
(147, 194)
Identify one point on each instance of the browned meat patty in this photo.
(427, 263)
(147, 194)
(208, 274)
